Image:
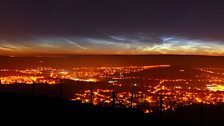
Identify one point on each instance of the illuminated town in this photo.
(145, 85)
(112, 62)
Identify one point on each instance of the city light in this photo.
(206, 86)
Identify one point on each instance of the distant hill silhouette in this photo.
(172, 72)
(70, 61)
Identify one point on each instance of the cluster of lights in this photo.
(26, 80)
(215, 87)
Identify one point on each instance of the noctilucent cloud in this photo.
(111, 27)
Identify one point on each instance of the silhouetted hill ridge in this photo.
(18, 109)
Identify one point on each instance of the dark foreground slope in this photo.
(42, 110)
(17, 109)
(196, 115)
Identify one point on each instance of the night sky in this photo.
(38, 27)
